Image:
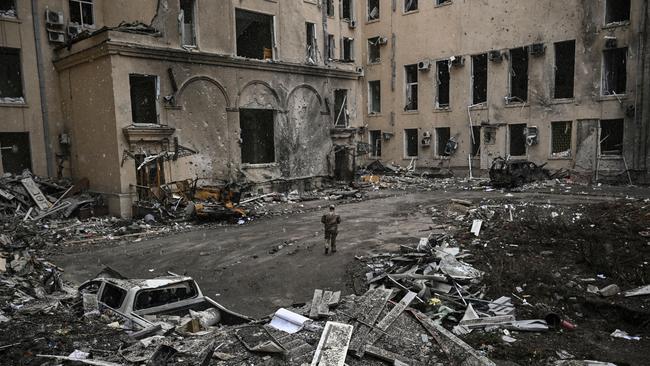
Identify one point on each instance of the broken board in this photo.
(333, 345)
(36, 193)
(372, 303)
(388, 320)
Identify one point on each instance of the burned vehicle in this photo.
(140, 302)
(508, 173)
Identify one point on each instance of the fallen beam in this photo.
(333, 345)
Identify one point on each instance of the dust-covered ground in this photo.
(559, 240)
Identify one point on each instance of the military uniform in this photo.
(331, 222)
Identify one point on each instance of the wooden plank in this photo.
(333, 345)
(368, 315)
(6, 195)
(315, 303)
(389, 319)
(36, 193)
(458, 351)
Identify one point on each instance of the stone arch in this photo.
(308, 87)
(190, 81)
(259, 94)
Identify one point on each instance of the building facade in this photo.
(278, 94)
(552, 82)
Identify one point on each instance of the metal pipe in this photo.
(41, 88)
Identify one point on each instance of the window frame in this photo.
(604, 71)
(273, 139)
(405, 4)
(408, 88)
(438, 146)
(510, 126)
(156, 99)
(21, 77)
(511, 75)
(600, 139)
(417, 143)
(377, 46)
(615, 23)
(15, 10)
(370, 97)
(343, 111)
(80, 2)
(437, 103)
(556, 69)
(368, 11)
(556, 155)
(194, 24)
(473, 82)
(311, 42)
(373, 148)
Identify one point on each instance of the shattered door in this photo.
(342, 166)
(490, 146)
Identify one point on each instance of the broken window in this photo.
(617, 11)
(112, 296)
(489, 135)
(330, 7)
(475, 139)
(443, 79)
(374, 55)
(561, 139)
(151, 174)
(410, 5)
(374, 96)
(15, 151)
(186, 20)
(11, 80)
(254, 34)
(257, 136)
(411, 72)
(611, 137)
(373, 9)
(442, 2)
(517, 139)
(348, 49)
(346, 9)
(312, 55)
(341, 107)
(442, 138)
(331, 46)
(150, 298)
(479, 78)
(518, 75)
(81, 12)
(8, 8)
(614, 71)
(144, 94)
(565, 54)
(375, 143)
(411, 142)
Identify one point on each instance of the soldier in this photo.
(331, 222)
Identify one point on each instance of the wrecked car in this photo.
(514, 173)
(137, 300)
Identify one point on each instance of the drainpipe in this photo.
(41, 88)
(323, 5)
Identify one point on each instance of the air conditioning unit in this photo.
(424, 65)
(352, 24)
(611, 42)
(457, 61)
(360, 71)
(536, 49)
(426, 134)
(55, 37)
(53, 17)
(382, 41)
(495, 56)
(426, 141)
(387, 135)
(74, 30)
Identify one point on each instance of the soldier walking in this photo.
(331, 223)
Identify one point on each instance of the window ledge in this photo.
(415, 111)
(479, 107)
(5, 18)
(516, 105)
(375, 114)
(613, 97)
(373, 63)
(562, 101)
(411, 12)
(610, 157)
(438, 157)
(616, 24)
(370, 21)
(14, 105)
(258, 166)
(441, 110)
(409, 158)
(560, 157)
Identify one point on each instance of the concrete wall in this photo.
(471, 27)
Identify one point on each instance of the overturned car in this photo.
(141, 303)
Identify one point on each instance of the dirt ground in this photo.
(558, 238)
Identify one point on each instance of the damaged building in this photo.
(278, 95)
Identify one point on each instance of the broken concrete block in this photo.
(315, 304)
(333, 345)
(609, 291)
